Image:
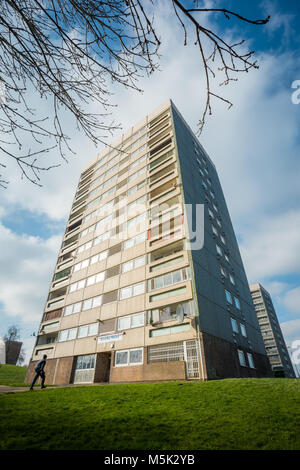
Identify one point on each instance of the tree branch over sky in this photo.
(69, 53)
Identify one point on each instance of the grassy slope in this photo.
(12, 375)
(227, 414)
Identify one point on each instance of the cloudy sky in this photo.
(254, 145)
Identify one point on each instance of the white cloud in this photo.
(272, 246)
(292, 301)
(27, 264)
(291, 330)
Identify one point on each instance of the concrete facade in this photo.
(130, 300)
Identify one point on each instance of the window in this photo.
(133, 264)
(211, 214)
(223, 271)
(50, 325)
(219, 222)
(167, 263)
(82, 265)
(92, 303)
(243, 330)
(76, 286)
(74, 308)
(219, 250)
(215, 208)
(88, 330)
(234, 325)
(227, 259)
(129, 357)
(94, 279)
(215, 231)
(67, 335)
(223, 240)
(84, 247)
(231, 279)
(241, 358)
(237, 303)
(135, 240)
(170, 278)
(250, 360)
(131, 321)
(169, 331)
(170, 293)
(99, 257)
(131, 291)
(228, 296)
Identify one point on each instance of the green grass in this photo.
(12, 375)
(227, 414)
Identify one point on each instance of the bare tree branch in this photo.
(69, 52)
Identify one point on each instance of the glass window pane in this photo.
(77, 307)
(100, 277)
(243, 330)
(121, 357)
(228, 296)
(87, 304)
(125, 293)
(158, 282)
(82, 331)
(72, 333)
(69, 310)
(96, 301)
(63, 335)
(136, 356)
(94, 259)
(137, 320)
(124, 323)
(138, 289)
(93, 329)
(176, 277)
(90, 280)
(127, 266)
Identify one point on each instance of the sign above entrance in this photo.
(104, 339)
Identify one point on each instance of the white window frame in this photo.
(128, 357)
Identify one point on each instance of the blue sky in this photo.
(256, 153)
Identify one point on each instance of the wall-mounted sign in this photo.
(112, 338)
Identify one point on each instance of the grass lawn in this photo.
(225, 414)
(12, 375)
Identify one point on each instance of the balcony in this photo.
(57, 293)
(53, 314)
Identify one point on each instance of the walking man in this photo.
(39, 372)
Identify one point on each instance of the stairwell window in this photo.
(237, 303)
(250, 360)
(241, 356)
(228, 297)
(234, 325)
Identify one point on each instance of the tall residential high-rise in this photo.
(144, 287)
(272, 335)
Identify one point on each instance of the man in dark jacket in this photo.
(39, 372)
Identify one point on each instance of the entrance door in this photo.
(85, 369)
